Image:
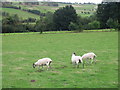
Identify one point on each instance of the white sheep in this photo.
(43, 62)
(76, 60)
(89, 56)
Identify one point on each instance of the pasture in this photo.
(19, 52)
(20, 13)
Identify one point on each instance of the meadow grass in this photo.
(20, 51)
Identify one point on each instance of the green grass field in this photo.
(20, 51)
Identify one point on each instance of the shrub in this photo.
(94, 25)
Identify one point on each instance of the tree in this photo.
(45, 23)
(82, 22)
(112, 24)
(12, 24)
(73, 26)
(63, 16)
(49, 21)
(108, 10)
(9, 23)
(41, 25)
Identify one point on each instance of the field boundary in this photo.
(60, 32)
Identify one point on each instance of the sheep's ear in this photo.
(74, 53)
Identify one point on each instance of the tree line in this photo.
(66, 18)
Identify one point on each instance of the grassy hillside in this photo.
(79, 8)
(42, 9)
(20, 51)
(20, 13)
(85, 8)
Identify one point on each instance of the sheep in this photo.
(76, 60)
(90, 56)
(43, 62)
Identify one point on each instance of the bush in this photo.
(73, 26)
(30, 27)
(94, 25)
(5, 14)
(28, 20)
(7, 29)
(13, 29)
(112, 23)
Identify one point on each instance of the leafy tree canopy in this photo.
(63, 16)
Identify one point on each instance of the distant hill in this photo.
(81, 9)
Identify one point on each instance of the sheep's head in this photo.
(34, 65)
(74, 53)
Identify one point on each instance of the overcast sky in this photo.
(79, 1)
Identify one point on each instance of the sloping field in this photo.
(79, 8)
(20, 13)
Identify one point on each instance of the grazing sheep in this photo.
(43, 62)
(76, 60)
(89, 56)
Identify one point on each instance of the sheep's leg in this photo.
(38, 67)
(77, 65)
(49, 64)
(83, 65)
(74, 65)
(87, 61)
(48, 67)
(83, 62)
(91, 61)
(95, 60)
(42, 67)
